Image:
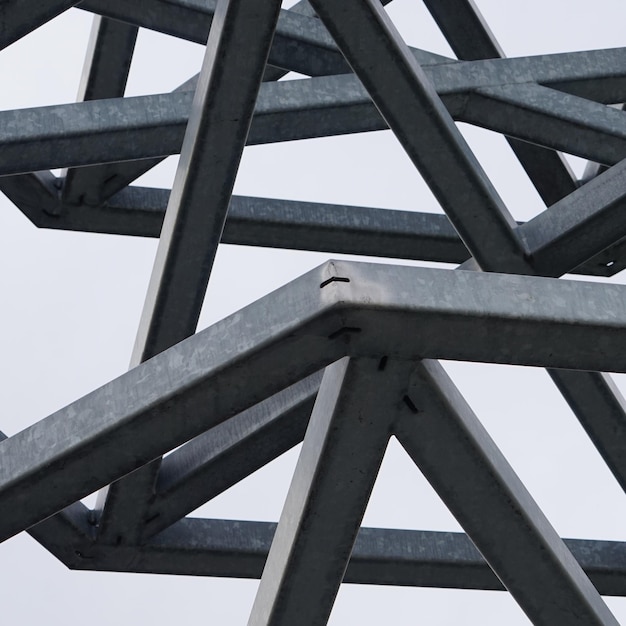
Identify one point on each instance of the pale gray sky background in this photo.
(71, 304)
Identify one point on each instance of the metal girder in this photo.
(67, 533)
(594, 169)
(222, 456)
(106, 179)
(36, 194)
(471, 39)
(64, 533)
(409, 104)
(303, 7)
(240, 393)
(238, 549)
(153, 126)
(492, 505)
(541, 115)
(105, 72)
(17, 19)
(235, 59)
(68, 434)
(270, 222)
(214, 140)
(595, 69)
(605, 405)
(601, 410)
(593, 74)
(550, 173)
(579, 226)
(465, 29)
(107, 61)
(191, 20)
(300, 44)
(342, 308)
(593, 398)
(342, 451)
(550, 236)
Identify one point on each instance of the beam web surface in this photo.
(235, 58)
(471, 38)
(492, 505)
(105, 73)
(340, 457)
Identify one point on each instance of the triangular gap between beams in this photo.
(403, 498)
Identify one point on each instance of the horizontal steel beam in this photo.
(103, 131)
(338, 309)
(238, 549)
(598, 66)
(307, 41)
(558, 239)
(153, 126)
(585, 74)
(275, 223)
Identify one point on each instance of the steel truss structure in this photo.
(345, 357)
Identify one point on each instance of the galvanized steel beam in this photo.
(65, 533)
(601, 409)
(409, 104)
(541, 115)
(238, 549)
(153, 126)
(288, 335)
(578, 227)
(190, 19)
(290, 224)
(219, 458)
(36, 194)
(492, 505)
(235, 59)
(97, 424)
(342, 451)
(471, 39)
(105, 72)
(17, 18)
(301, 43)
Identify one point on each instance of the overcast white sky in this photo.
(71, 303)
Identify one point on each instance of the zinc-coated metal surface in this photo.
(341, 358)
